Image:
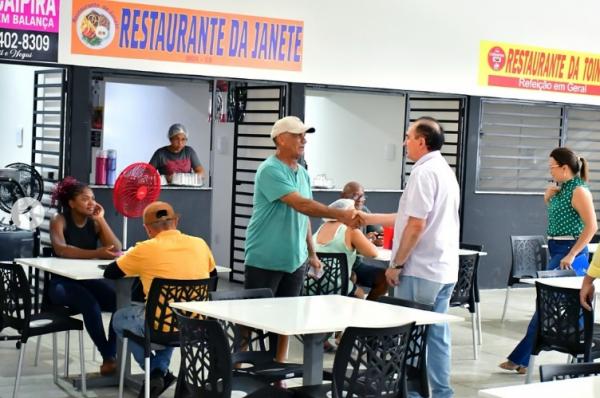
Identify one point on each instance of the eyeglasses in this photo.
(359, 197)
(551, 166)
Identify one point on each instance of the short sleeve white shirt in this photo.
(431, 194)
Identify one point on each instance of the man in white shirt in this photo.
(424, 266)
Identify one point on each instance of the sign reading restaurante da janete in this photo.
(151, 32)
(29, 30)
(537, 68)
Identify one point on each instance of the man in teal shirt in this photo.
(279, 238)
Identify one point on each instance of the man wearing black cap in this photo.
(278, 238)
(167, 254)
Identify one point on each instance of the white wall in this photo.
(353, 132)
(221, 192)
(137, 116)
(16, 112)
(422, 45)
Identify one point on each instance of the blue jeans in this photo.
(558, 249)
(132, 318)
(90, 298)
(438, 340)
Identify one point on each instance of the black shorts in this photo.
(282, 284)
(366, 274)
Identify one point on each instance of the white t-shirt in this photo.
(432, 194)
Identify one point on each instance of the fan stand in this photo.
(124, 233)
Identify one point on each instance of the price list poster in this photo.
(29, 30)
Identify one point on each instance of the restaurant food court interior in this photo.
(497, 142)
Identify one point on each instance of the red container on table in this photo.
(388, 237)
(101, 161)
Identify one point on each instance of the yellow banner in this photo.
(537, 68)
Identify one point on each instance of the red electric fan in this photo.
(136, 187)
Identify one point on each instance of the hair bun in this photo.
(62, 188)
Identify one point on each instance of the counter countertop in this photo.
(168, 187)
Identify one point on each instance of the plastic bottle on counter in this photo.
(111, 166)
(101, 161)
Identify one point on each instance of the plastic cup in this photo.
(388, 237)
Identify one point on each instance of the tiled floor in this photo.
(468, 375)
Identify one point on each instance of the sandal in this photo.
(509, 365)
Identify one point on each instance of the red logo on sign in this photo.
(496, 58)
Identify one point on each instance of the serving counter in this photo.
(193, 204)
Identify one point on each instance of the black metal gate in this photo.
(256, 109)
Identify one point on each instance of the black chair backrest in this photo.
(15, 298)
(477, 248)
(371, 362)
(528, 257)
(563, 324)
(568, 371)
(161, 322)
(464, 289)
(554, 273)
(244, 340)
(334, 279)
(416, 353)
(206, 368)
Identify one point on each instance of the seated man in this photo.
(167, 254)
(366, 275)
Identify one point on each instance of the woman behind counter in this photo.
(571, 226)
(75, 232)
(177, 157)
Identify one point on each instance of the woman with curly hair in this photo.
(79, 230)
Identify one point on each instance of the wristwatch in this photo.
(396, 266)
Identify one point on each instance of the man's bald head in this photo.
(353, 190)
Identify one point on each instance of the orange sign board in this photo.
(537, 68)
(141, 31)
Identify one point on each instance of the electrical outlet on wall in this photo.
(19, 137)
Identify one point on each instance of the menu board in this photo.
(29, 30)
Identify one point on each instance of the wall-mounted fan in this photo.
(21, 189)
(136, 187)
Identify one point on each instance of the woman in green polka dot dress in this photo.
(571, 226)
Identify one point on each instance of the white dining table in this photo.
(88, 269)
(312, 317)
(570, 282)
(582, 387)
(386, 254)
(77, 269)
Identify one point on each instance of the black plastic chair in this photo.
(528, 256)
(556, 273)
(463, 294)
(563, 325)
(416, 352)
(477, 248)
(161, 323)
(206, 368)
(252, 349)
(334, 279)
(568, 371)
(369, 362)
(16, 309)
